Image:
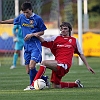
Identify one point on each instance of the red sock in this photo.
(40, 73)
(68, 84)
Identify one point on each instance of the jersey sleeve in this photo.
(47, 44)
(48, 41)
(17, 20)
(40, 23)
(78, 48)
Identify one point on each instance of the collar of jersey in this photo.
(32, 15)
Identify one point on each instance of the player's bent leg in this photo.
(32, 75)
(40, 73)
(76, 84)
(68, 84)
(50, 64)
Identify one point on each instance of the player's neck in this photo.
(65, 35)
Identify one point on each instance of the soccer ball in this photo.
(39, 84)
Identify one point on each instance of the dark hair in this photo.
(26, 5)
(66, 24)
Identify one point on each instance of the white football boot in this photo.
(29, 88)
(78, 82)
(12, 67)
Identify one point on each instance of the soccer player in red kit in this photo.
(63, 47)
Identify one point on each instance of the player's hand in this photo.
(36, 35)
(15, 39)
(28, 36)
(91, 70)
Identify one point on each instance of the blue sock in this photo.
(15, 57)
(33, 73)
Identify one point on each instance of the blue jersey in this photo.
(32, 46)
(31, 25)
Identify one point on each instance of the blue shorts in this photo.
(19, 45)
(32, 53)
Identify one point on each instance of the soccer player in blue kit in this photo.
(19, 43)
(32, 26)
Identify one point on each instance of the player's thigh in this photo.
(51, 64)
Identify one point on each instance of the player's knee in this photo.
(31, 66)
(44, 62)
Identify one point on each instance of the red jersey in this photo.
(63, 48)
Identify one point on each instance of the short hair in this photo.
(26, 5)
(66, 24)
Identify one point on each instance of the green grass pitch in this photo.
(12, 83)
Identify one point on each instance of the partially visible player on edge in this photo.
(63, 47)
(19, 43)
(32, 26)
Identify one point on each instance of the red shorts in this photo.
(56, 76)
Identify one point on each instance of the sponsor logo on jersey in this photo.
(29, 25)
(68, 46)
(31, 21)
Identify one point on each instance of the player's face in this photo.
(27, 13)
(64, 31)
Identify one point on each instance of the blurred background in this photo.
(53, 13)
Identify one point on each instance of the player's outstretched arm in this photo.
(9, 21)
(41, 39)
(37, 34)
(86, 63)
